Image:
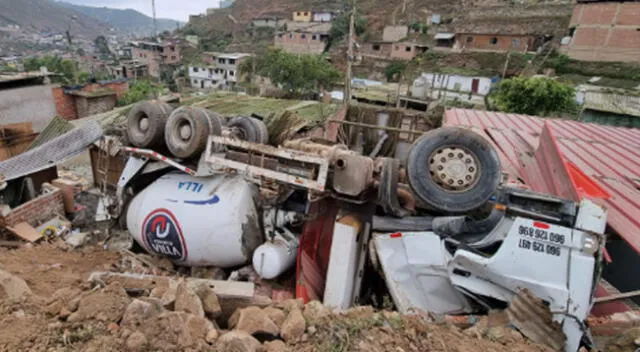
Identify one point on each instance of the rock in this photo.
(109, 304)
(209, 273)
(14, 287)
(113, 328)
(210, 302)
(199, 327)
(77, 239)
(312, 330)
(276, 315)
(166, 292)
(314, 311)
(64, 313)
(237, 341)
(212, 336)
(137, 312)
(188, 301)
(294, 326)
(253, 320)
(290, 304)
(275, 346)
(136, 342)
(504, 335)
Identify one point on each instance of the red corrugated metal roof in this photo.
(610, 155)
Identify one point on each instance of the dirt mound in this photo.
(66, 313)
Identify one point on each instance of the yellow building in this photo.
(302, 16)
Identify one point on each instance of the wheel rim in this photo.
(454, 168)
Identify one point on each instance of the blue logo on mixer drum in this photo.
(161, 234)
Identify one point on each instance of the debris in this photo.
(14, 287)
(254, 321)
(314, 311)
(294, 326)
(25, 231)
(137, 342)
(188, 301)
(199, 327)
(55, 227)
(276, 315)
(275, 346)
(77, 239)
(212, 336)
(210, 302)
(138, 312)
(108, 305)
(534, 319)
(237, 341)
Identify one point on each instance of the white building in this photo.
(322, 16)
(434, 85)
(220, 72)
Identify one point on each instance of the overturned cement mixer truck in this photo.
(438, 228)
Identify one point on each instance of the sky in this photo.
(174, 9)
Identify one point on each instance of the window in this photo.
(173, 57)
(232, 61)
(195, 69)
(306, 14)
(376, 47)
(173, 48)
(407, 48)
(397, 47)
(469, 39)
(314, 37)
(222, 61)
(232, 73)
(210, 71)
(303, 36)
(280, 35)
(195, 81)
(493, 41)
(299, 13)
(290, 35)
(515, 43)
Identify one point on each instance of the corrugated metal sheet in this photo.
(51, 153)
(534, 320)
(56, 128)
(610, 155)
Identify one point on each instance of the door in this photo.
(475, 85)
(202, 84)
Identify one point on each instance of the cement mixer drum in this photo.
(197, 221)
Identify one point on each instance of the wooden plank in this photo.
(25, 231)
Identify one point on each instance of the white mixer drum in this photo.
(193, 221)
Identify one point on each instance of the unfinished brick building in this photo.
(605, 31)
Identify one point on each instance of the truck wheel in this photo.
(187, 131)
(262, 130)
(145, 123)
(249, 129)
(453, 170)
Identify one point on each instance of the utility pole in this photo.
(73, 56)
(155, 24)
(350, 53)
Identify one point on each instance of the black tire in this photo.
(262, 130)
(199, 124)
(145, 123)
(247, 129)
(435, 195)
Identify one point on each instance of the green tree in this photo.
(63, 67)
(294, 73)
(539, 96)
(394, 70)
(340, 27)
(140, 90)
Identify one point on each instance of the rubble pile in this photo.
(50, 306)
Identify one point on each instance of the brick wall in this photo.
(65, 104)
(606, 32)
(300, 43)
(490, 42)
(403, 51)
(37, 210)
(72, 107)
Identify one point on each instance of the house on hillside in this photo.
(307, 38)
(322, 16)
(219, 71)
(605, 106)
(452, 86)
(518, 35)
(394, 33)
(302, 16)
(272, 22)
(155, 54)
(604, 31)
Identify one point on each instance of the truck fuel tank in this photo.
(197, 221)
